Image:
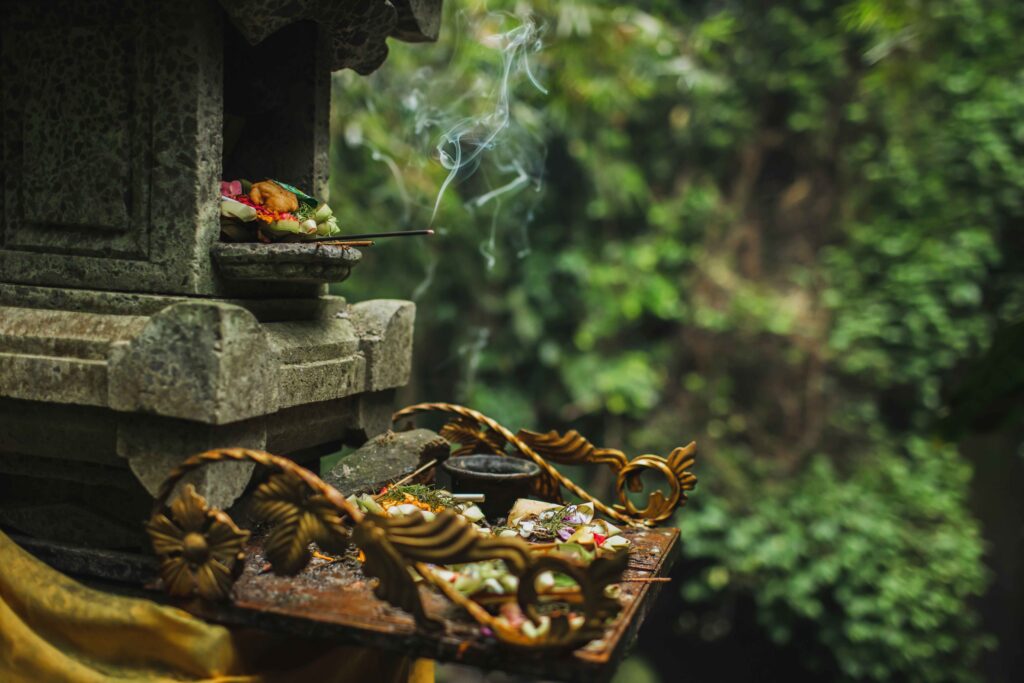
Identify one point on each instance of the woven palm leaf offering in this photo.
(567, 531)
(273, 211)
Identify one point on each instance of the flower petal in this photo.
(189, 510)
(165, 535)
(225, 539)
(213, 581)
(177, 577)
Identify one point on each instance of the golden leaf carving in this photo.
(676, 472)
(572, 448)
(470, 438)
(299, 517)
(384, 563)
(680, 461)
(450, 538)
(392, 544)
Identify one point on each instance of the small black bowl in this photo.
(502, 479)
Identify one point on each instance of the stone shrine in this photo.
(130, 336)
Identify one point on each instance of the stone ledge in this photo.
(321, 380)
(294, 262)
(307, 342)
(206, 361)
(48, 448)
(266, 310)
(64, 380)
(64, 333)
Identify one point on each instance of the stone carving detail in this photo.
(206, 361)
(50, 147)
(357, 29)
(112, 115)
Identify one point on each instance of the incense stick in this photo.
(419, 470)
(371, 235)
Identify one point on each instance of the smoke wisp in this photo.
(459, 118)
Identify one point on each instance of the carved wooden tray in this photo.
(335, 601)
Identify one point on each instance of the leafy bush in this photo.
(777, 228)
(881, 560)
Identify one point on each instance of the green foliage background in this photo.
(780, 229)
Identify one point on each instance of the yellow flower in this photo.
(200, 549)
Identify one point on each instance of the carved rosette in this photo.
(356, 30)
(200, 549)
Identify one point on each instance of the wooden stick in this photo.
(469, 497)
(646, 579)
(419, 470)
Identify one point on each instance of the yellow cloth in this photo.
(53, 628)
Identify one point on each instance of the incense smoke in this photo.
(461, 146)
(461, 113)
(472, 351)
(460, 125)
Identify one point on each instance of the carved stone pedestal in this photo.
(100, 403)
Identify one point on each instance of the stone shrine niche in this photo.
(265, 94)
(278, 56)
(120, 117)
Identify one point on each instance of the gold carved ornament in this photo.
(301, 509)
(474, 432)
(201, 550)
